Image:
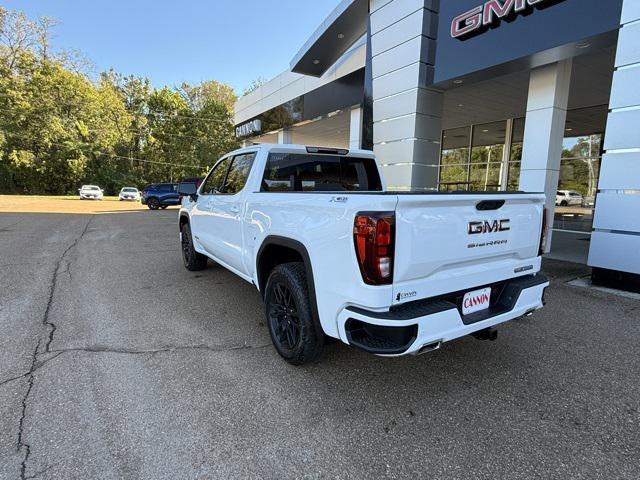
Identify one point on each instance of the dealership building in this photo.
(480, 95)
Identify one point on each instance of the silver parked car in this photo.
(91, 192)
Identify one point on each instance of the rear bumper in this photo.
(408, 328)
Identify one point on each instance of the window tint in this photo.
(238, 173)
(165, 188)
(319, 173)
(213, 183)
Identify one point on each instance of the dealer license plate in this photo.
(476, 301)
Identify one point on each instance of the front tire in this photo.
(192, 260)
(293, 331)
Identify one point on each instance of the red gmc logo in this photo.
(483, 16)
(481, 299)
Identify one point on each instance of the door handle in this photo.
(234, 209)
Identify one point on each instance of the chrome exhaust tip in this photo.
(429, 347)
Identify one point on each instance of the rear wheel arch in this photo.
(184, 220)
(276, 250)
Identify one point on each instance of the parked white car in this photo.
(91, 192)
(565, 198)
(335, 255)
(129, 193)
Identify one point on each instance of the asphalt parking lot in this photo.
(115, 362)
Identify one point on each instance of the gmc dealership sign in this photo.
(484, 16)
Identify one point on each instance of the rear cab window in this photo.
(307, 172)
(229, 176)
(238, 173)
(213, 183)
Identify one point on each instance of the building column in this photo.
(285, 135)
(355, 129)
(544, 133)
(615, 243)
(407, 114)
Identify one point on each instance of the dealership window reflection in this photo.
(487, 151)
(473, 158)
(579, 174)
(454, 162)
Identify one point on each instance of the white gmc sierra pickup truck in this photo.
(334, 254)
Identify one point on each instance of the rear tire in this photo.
(294, 334)
(563, 203)
(192, 260)
(153, 204)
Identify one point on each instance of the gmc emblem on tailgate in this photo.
(478, 228)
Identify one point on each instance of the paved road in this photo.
(115, 362)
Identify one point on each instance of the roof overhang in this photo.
(341, 29)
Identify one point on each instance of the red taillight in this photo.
(543, 233)
(374, 238)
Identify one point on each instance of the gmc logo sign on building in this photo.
(483, 16)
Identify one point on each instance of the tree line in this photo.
(62, 126)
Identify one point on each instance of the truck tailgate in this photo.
(447, 243)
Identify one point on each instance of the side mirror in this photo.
(188, 189)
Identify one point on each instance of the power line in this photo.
(151, 131)
(121, 157)
(156, 114)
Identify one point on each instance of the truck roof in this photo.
(312, 149)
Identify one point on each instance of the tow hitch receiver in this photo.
(490, 334)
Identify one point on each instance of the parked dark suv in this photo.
(160, 195)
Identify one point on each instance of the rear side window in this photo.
(238, 173)
(299, 172)
(213, 184)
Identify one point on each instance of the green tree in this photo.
(60, 128)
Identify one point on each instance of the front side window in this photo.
(213, 184)
(298, 172)
(238, 173)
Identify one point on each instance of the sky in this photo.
(190, 40)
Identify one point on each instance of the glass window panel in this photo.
(486, 156)
(213, 183)
(579, 174)
(238, 173)
(455, 159)
(302, 172)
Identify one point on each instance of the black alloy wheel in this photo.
(283, 315)
(296, 336)
(192, 260)
(153, 203)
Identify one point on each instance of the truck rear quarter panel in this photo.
(323, 223)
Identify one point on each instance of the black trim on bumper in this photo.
(378, 339)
